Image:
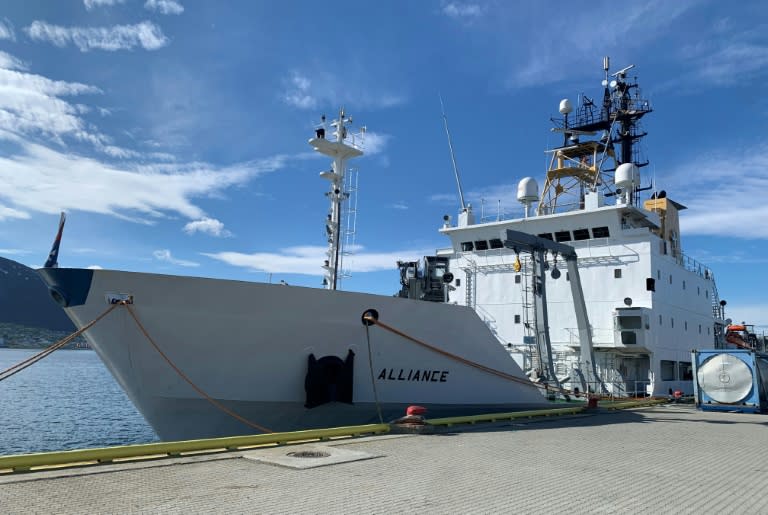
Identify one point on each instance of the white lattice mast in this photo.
(343, 147)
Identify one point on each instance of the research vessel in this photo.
(488, 323)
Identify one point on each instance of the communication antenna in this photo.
(453, 158)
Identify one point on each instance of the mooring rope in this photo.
(373, 379)
(181, 374)
(372, 320)
(18, 367)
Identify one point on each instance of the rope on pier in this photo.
(18, 367)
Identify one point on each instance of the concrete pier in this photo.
(661, 459)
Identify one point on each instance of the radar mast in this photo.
(588, 158)
(342, 148)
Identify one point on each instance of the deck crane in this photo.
(538, 248)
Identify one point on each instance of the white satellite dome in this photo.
(627, 176)
(565, 106)
(527, 190)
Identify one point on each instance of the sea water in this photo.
(66, 401)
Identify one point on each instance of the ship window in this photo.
(517, 279)
(667, 370)
(567, 276)
(546, 235)
(698, 290)
(706, 293)
(563, 236)
(629, 322)
(458, 282)
(658, 275)
(650, 284)
(600, 232)
(686, 325)
(683, 284)
(660, 320)
(684, 371)
(617, 273)
(481, 245)
(699, 328)
(581, 234)
(670, 278)
(467, 246)
(707, 331)
(496, 243)
(517, 319)
(672, 321)
(628, 338)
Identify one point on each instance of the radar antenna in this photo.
(453, 158)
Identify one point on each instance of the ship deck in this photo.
(660, 459)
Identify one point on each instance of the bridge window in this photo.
(481, 245)
(546, 236)
(684, 371)
(650, 284)
(496, 243)
(467, 246)
(600, 232)
(517, 279)
(563, 236)
(667, 370)
(629, 322)
(617, 273)
(517, 319)
(581, 234)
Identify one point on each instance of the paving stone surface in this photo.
(664, 459)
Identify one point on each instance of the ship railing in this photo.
(694, 266)
(600, 336)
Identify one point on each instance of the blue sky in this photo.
(174, 133)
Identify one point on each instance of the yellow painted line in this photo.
(494, 417)
(25, 462)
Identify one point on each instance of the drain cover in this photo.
(309, 454)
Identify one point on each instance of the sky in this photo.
(174, 133)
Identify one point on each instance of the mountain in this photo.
(24, 299)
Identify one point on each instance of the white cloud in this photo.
(207, 226)
(308, 260)
(6, 30)
(165, 256)
(462, 11)
(37, 178)
(9, 62)
(14, 252)
(7, 212)
(374, 142)
(325, 89)
(164, 6)
(95, 267)
(400, 204)
(92, 4)
(119, 37)
(297, 92)
(582, 37)
(734, 62)
(715, 210)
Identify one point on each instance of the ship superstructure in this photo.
(648, 303)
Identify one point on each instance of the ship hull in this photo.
(282, 357)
